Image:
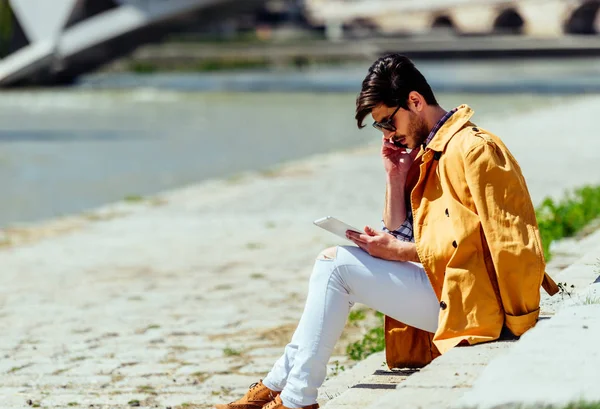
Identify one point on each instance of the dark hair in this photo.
(389, 81)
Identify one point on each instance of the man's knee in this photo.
(328, 254)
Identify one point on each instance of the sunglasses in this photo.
(386, 124)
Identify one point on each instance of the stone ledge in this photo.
(556, 363)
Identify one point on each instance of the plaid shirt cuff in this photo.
(404, 232)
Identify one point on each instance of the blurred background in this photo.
(102, 100)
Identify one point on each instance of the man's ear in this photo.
(416, 102)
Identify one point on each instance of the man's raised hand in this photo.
(396, 160)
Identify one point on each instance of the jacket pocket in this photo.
(518, 324)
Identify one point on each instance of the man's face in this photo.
(411, 129)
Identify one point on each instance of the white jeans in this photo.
(397, 289)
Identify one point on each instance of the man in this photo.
(459, 257)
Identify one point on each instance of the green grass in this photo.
(356, 315)
(583, 405)
(373, 341)
(564, 218)
(591, 300)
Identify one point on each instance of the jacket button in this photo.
(476, 129)
(447, 213)
(454, 244)
(443, 305)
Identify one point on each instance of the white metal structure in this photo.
(54, 41)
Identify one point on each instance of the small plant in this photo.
(257, 276)
(231, 352)
(72, 404)
(565, 289)
(591, 300)
(134, 402)
(337, 368)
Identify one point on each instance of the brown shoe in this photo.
(278, 404)
(257, 396)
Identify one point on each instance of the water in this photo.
(67, 150)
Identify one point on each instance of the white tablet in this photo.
(335, 226)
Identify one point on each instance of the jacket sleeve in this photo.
(508, 223)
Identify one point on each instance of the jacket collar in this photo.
(462, 115)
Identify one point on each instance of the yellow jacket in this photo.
(478, 240)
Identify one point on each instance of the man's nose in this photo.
(388, 134)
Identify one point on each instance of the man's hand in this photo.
(383, 245)
(396, 160)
